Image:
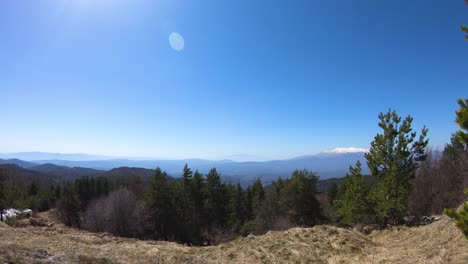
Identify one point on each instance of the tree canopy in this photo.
(393, 158)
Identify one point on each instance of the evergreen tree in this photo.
(352, 205)
(258, 194)
(187, 177)
(198, 197)
(332, 193)
(273, 208)
(161, 205)
(237, 207)
(393, 158)
(33, 189)
(216, 198)
(69, 207)
(85, 191)
(248, 204)
(198, 188)
(58, 192)
(186, 213)
(462, 120)
(299, 198)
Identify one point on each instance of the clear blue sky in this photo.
(271, 79)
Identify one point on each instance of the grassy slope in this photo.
(440, 242)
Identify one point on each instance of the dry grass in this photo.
(50, 242)
(440, 242)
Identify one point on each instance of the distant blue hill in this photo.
(326, 165)
(21, 163)
(30, 156)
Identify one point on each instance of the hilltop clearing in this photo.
(43, 240)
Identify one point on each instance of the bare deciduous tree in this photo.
(439, 181)
(120, 213)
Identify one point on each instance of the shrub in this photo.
(461, 217)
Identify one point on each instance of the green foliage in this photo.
(187, 176)
(460, 217)
(198, 197)
(332, 193)
(194, 209)
(258, 194)
(465, 28)
(89, 188)
(21, 204)
(352, 205)
(13, 221)
(161, 205)
(238, 214)
(248, 228)
(393, 158)
(33, 189)
(298, 198)
(217, 201)
(462, 120)
(185, 207)
(69, 207)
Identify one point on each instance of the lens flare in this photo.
(176, 41)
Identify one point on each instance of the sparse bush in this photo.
(217, 235)
(460, 217)
(12, 221)
(248, 228)
(119, 213)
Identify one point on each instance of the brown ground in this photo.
(42, 240)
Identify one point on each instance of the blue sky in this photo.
(265, 79)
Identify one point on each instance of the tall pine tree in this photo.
(198, 198)
(237, 207)
(216, 201)
(393, 158)
(160, 204)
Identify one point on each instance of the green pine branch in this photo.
(465, 28)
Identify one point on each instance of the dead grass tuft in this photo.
(46, 241)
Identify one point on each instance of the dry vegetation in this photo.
(43, 240)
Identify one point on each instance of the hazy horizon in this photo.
(34, 156)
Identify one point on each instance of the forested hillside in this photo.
(407, 179)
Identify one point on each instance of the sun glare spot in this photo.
(176, 41)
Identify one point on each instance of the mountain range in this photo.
(327, 165)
